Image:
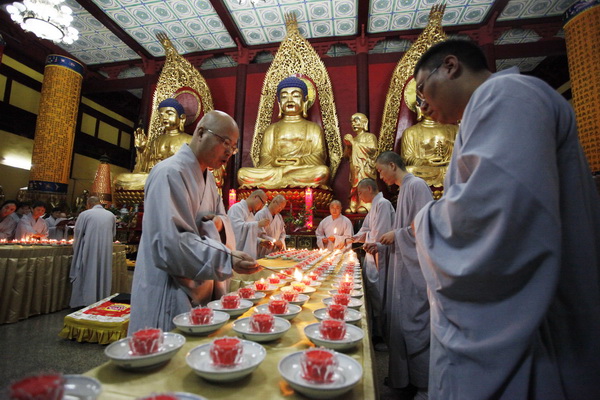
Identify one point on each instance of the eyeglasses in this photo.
(226, 142)
(261, 200)
(422, 84)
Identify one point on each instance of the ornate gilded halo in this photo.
(410, 94)
(312, 91)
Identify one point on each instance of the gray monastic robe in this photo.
(406, 306)
(53, 231)
(245, 227)
(177, 247)
(511, 252)
(91, 268)
(8, 226)
(27, 226)
(274, 232)
(342, 227)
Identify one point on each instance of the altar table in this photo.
(35, 279)
(264, 383)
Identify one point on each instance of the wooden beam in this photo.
(363, 16)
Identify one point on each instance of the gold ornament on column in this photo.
(101, 187)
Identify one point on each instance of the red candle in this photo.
(289, 295)
(274, 280)
(261, 285)
(333, 329)
(146, 341)
(341, 298)
(318, 365)
(161, 396)
(226, 352)
(344, 289)
(278, 306)
(298, 287)
(337, 311)
(262, 322)
(246, 292)
(201, 316)
(281, 276)
(230, 301)
(39, 387)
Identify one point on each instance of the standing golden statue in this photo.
(361, 151)
(292, 152)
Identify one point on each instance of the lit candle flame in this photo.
(298, 275)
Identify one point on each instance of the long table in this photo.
(264, 383)
(35, 279)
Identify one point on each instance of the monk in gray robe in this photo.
(181, 251)
(334, 230)
(511, 252)
(91, 268)
(274, 233)
(245, 226)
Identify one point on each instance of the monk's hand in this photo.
(370, 248)
(325, 240)
(279, 244)
(264, 222)
(387, 238)
(266, 243)
(242, 263)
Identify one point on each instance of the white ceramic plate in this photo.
(234, 312)
(357, 294)
(120, 354)
(79, 387)
(183, 323)
(292, 311)
(354, 303)
(352, 316)
(348, 373)
(242, 328)
(308, 290)
(354, 335)
(258, 296)
(199, 360)
(300, 300)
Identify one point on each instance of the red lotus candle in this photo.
(274, 280)
(246, 292)
(278, 306)
(337, 311)
(318, 365)
(201, 316)
(161, 396)
(289, 295)
(261, 285)
(298, 287)
(226, 352)
(146, 341)
(332, 329)
(281, 276)
(262, 322)
(230, 301)
(38, 387)
(341, 298)
(344, 289)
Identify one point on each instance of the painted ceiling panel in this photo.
(534, 9)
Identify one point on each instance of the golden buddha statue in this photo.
(293, 152)
(361, 151)
(427, 148)
(166, 144)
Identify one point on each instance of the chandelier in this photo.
(47, 19)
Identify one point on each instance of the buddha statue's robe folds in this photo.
(292, 155)
(427, 148)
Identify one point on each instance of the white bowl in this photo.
(300, 300)
(354, 303)
(292, 311)
(81, 387)
(242, 328)
(199, 360)
(357, 294)
(352, 316)
(245, 305)
(348, 373)
(354, 335)
(258, 296)
(183, 323)
(120, 354)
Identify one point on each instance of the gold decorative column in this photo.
(101, 186)
(582, 34)
(55, 130)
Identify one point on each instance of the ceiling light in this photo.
(47, 19)
(242, 2)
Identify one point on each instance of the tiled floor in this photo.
(33, 345)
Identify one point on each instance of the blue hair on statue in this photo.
(292, 81)
(173, 104)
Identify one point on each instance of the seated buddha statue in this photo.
(166, 144)
(427, 148)
(293, 152)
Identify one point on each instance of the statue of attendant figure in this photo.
(293, 151)
(361, 150)
(165, 145)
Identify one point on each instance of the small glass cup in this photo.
(318, 365)
(226, 351)
(261, 285)
(346, 285)
(201, 315)
(289, 295)
(341, 298)
(262, 322)
(337, 311)
(344, 290)
(298, 287)
(246, 292)
(278, 306)
(146, 341)
(274, 280)
(43, 387)
(230, 301)
(332, 329)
